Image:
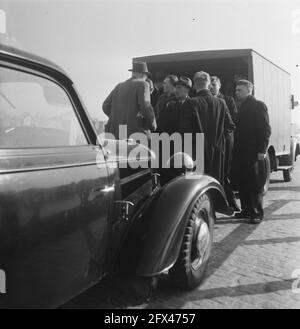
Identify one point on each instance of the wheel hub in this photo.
(203, 238)
(201, 243)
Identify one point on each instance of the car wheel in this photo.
(191, 265)
(287, 175)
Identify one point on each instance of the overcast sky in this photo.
(95, 40)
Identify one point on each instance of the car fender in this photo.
(156, 247)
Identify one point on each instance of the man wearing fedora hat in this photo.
(129, 104)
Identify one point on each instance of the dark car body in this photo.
(63, 218)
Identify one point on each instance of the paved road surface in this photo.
(251, 265)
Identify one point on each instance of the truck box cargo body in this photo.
(271, 85)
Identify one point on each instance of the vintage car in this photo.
(70, 213)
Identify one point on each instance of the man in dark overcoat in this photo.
(169, 86)
(129, 104)
(251, 143)
(178, 116)
(158, 87)
(216, 121)
(215, 87)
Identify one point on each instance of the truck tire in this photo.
(287, 174)
(191, 265)
(293, 152)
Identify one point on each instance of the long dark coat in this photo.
(216, 123)
(123, 105)
(168, 118)
(155, 96)
(251, 137)
(162, 102)
(229, 136)
(179, 117)
(229, 100)
(176, 117)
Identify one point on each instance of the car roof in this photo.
(29, 57)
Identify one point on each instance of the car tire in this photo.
(287, 175)
(191, 265)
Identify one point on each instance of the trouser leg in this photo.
(245, 201)
(230, 195)
(257, 203)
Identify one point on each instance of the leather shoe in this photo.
(236, 208)
(241, 214)
(255, 219)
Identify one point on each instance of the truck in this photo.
(272, 85)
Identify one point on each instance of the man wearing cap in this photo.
(129, 104)
(216, 121)
(188, 120)
(170, 117)
(215, 86)
(178, 116)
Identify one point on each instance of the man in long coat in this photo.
(251, 143)
(179, 115)
(216, 122)
(215, 87)
(129, 104)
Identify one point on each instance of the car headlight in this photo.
(181, 162)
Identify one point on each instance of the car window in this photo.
(36, 112)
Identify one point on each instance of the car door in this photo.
(129, 164)
(54, 196)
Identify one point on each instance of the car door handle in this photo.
(124, 208)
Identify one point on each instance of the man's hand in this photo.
(261, 156)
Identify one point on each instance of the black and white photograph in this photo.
(149, 157)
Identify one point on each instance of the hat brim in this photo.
(131, 70)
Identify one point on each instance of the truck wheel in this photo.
(287, 175)
(191, 265)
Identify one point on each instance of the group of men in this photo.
(235, 140)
